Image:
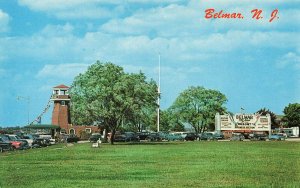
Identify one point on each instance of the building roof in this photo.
(62, 86)
(42, 126)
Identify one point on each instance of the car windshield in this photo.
(5, 138)
(13, 138)
(35, 136)
(28, 137)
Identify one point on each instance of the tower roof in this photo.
(62, 86)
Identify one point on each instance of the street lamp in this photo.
(28, 107)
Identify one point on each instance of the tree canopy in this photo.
(292, 115)
(107, 95)
(274, 122)
(198, 106)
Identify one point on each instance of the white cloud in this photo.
(70, 9)
(166, 71)
(289, 59)
(57, 30)
(62, 70)
(176, 20)
(4, 21)
(162, 21)
(92, 9)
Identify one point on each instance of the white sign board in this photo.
(253, 122)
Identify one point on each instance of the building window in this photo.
(63, 103)
(88, 130)
(72, 131)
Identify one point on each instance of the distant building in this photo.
(61, 113)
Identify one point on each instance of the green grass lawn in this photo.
(174, 164)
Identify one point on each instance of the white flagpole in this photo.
(158, 90)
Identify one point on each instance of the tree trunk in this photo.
(112, 138)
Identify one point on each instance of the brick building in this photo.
(61, 113)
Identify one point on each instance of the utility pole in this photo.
(158, 90)
(28, 105)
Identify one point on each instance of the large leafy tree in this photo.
(169, 121)
(165, 123)
(107, 95)
(274, 122)
(292, 115)
(198, 106)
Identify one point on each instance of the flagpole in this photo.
(158, 90)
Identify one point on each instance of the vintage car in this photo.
(237, 137)
(95, 137)
(277, 137)
(154, 137)
(24, 145)
(191, 137)
(206, 136)
(258, 137)
(5, 145)
(72, 138)
(174, 137)
(16, 144)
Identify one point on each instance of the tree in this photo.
(109, 96)
(292, 115)
(165, 120)
(198, 106)
(170, 121)
(264, 112)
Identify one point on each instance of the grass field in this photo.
(177, 164)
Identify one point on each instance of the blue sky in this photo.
(255, 63)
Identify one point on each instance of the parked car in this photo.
(154, 137)
(237, 137)
(16, 144)
(120, 138)
(95, 137)
(51, 140)
(278, 137)
(191, 137)
(183, 134)
(174, 137)
(29, 138)
(5, 145)
(258, 136)
(206, 136)
(40, 142)
(219, 136)
(72, 138)
(143, 135)
(131, 137)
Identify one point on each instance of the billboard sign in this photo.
(254, 122)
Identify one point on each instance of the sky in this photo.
(254, 62)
